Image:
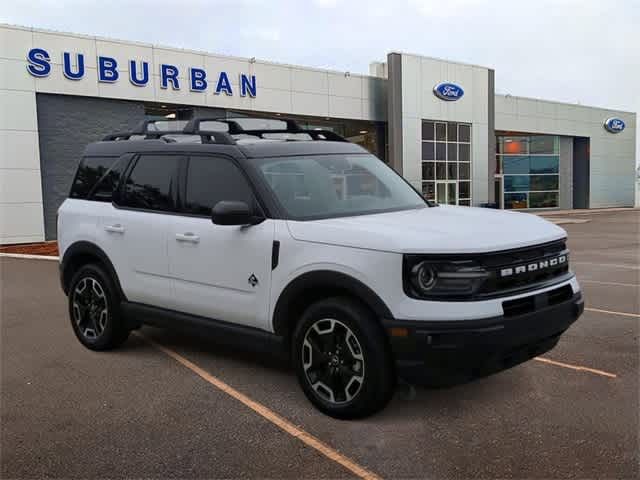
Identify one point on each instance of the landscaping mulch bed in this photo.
(43, 248)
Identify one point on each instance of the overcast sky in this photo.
(582, 51)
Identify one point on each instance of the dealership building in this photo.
(438, 123)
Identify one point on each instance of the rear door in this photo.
(219, 272)
(136, 228)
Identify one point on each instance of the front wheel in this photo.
(342, 359)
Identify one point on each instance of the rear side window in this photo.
(211, 180)
(151, 185)
(92, 170)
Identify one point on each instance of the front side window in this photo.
(152, 183)
(211, 180)
(326, 186)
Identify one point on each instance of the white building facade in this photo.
(438, 123)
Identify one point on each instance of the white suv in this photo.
(313, 246)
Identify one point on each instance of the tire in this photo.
(342, 359)
(94, 309)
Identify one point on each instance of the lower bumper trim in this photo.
(451, 352)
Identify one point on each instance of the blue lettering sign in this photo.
(449, 92)
(67, 67)
(197, 77)
(74, 68)
(39, 62)
(133, 73)
(107, 70)
(247, 85)
(224, 84)
(169, 73)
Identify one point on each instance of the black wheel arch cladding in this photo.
(319, 284)
(82, 253)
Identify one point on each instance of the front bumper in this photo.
(450, 352)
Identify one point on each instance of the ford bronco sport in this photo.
(268, 234)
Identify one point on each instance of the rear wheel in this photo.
(94, 309)
(342, 359)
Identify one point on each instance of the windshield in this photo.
(325, 186)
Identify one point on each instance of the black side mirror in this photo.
(229, 212)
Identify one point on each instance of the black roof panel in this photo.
(278, 149)
(256, 149)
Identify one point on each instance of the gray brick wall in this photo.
(66, 124)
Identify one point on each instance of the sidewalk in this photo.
(584, 211)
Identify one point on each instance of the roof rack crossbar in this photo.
(236, 129)
(116, 135)
(142, 127)
(213, 136)
(193, 126)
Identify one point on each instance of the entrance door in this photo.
(447, 192)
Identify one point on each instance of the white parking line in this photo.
(613, 312)
(616, 284)
(268, 414)
(608, 265)
(576, 367)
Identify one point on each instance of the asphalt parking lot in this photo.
(155, 409)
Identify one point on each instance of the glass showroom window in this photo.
(530, 168)
(446, 162)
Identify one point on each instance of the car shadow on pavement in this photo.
(207, 344)
(409, 401)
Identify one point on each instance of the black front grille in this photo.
(551, 262)
(520, 306)
(547, 261)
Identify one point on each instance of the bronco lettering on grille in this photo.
(534, 266)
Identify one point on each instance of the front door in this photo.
(447, 192)
(221, 272)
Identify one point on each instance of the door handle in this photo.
(188, 237)
(116, 228)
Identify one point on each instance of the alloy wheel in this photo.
(333, 361)
(90, 309)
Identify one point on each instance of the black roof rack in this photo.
(142, 129)
(225, 136)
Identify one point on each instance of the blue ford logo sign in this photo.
(614, 125)
(448, 91)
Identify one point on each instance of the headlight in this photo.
(438, 278)
(423, 276)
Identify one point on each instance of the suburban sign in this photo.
(448, 91)
(109, 71)
(614, 125)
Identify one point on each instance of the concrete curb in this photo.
(29, 257)
(562, 221)
(595, 211)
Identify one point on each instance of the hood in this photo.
(442, 229)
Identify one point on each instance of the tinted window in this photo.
(464, 133)
(151, 184)
(103, 191)
(211, 180)
(325, 186)
(90, 170)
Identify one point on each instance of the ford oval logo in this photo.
(448, 91)
(614, 125)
